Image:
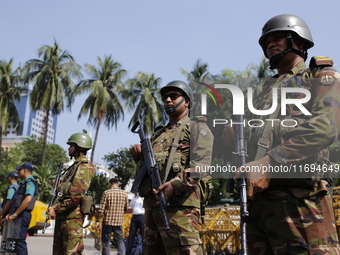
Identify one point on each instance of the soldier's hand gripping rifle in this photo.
(54, 193)
(240, 155)
(151, 168)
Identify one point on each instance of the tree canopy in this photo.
(122, 164)
(30, 151)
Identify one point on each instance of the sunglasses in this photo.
(173, 96)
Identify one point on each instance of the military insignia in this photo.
(82, 171)
(28, 186)
(203, 132)
(327, 79)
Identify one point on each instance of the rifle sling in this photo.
(69, 179)
(265, 141)
(174, 147)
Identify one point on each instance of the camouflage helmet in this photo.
(287, 23)
(81, 139)
(178, 85)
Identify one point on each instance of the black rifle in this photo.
(151, 168)
(54, 193)
(239, 158)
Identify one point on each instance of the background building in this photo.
(31, 123)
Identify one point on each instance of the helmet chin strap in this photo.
(274, 60)
(173, 108)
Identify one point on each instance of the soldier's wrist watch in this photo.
(14, 215)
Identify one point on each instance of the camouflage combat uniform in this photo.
(68, 231)
(295, 216)
(183, 212)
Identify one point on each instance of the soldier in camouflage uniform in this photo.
(178, 174)
(295, 215)
(75, 182)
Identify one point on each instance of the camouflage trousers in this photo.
(292, 226)
(183, 236)
(68, 237)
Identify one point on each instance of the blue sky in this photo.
(157, 37)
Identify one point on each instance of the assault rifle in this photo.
(239, 159)
(53, 193)
(151, 168)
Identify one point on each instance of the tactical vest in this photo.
(19, 195)
(66, 180)
(4, 195)
(162, 144)
(262, 139)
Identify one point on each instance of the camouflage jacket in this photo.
(68, 206)
(307, 142)
(194, 149)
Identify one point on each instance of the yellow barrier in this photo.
(221, 229)
(98, 232)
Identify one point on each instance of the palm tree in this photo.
(199, 73)
(8, 94)
(52, 83)
(44, 175)
(255, 74)
(142, 97)
(102, 104)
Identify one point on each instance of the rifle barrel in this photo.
(53, 194)
(241, 154)
(151, 167)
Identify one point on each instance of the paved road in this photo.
(42, 245)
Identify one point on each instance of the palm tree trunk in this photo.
(45, 136)
(95, 141)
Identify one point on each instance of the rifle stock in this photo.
(53, 194)
(151, 168)
(240, 155)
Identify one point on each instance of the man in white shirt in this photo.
(137, 222)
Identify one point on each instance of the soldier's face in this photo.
(172, 97)
(71, 149)
(276, 43)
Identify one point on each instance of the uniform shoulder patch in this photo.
(203, 132)
(327, 79)
(81, 171)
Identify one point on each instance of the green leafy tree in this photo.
(122, 164)
(44, 176)
(29, 151)
(11, 158)
(9, 93)
(200, 73)
(102, 105)
(142, 97)
(33, 146)
(98, 185)
(218, 193)
(52, 83)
